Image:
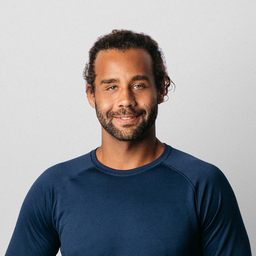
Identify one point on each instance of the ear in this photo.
(161, 94)
(90, 95)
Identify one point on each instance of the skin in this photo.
(125, 97)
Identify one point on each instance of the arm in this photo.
(223, 231)
(34, 233)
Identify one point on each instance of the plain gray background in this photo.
(209, 48)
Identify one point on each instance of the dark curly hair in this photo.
(123, 40)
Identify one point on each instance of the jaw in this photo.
(128, 132)
(127, 138)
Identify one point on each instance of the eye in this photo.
(112, 88)
(138, 86)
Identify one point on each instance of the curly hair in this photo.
(123, 40)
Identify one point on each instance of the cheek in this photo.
(107, 99)
(104, 103)
(150, 100)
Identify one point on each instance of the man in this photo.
(134, 195)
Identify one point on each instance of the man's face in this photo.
(125, 96)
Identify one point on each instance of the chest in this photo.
(127, 217)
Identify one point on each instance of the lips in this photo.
(126, 114)
(126, 118)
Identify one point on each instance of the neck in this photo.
(124, 155)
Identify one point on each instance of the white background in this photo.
(209, 48)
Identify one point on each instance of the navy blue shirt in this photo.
(177, 205)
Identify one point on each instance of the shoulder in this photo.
(68, 169)
(218, 212)
(194, 169)
(44, 192)
(207, 180)
(211, 187)
(55, 177)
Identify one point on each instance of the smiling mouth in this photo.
(126, 117)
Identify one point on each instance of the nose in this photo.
(126, 98)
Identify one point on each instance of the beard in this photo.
(128, 132)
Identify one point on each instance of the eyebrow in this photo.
(114, 80)
(109, 81)
(140, 77)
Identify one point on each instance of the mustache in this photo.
(126, 112)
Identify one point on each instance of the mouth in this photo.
(126, 119)
(126, 116)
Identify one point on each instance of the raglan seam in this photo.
(190, 182)
(185, 176)
(64, 185)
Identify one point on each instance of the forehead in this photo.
(119, 62)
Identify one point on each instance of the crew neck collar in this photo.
(130, 172)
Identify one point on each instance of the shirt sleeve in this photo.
(223, 231)
(34, 233)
